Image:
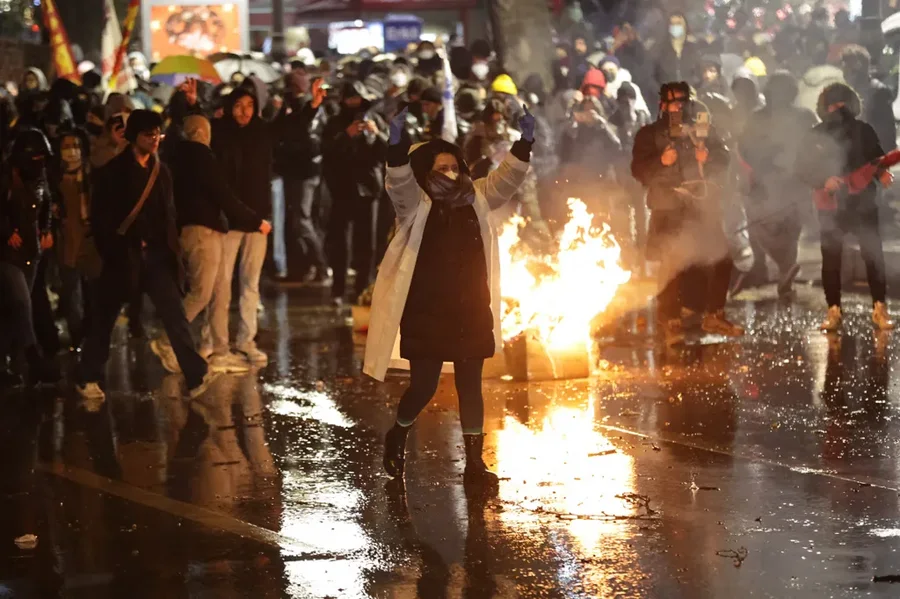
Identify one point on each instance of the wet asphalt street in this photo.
(769, 467)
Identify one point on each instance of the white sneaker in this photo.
(91, 391)
(210, 376)
(833, 320)
(166, 355)
(230, 363)
(254, 355)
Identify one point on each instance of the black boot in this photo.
(395, 450)
(477, 472)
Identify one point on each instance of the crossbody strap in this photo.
(132, 216)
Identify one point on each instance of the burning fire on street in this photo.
(555, 296)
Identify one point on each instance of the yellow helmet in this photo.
(505, 85)
(756, 66)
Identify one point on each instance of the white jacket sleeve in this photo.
(503, 183)
(403, 190)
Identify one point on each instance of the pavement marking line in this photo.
(872, 482)
(181, 509)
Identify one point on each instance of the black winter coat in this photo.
(447, 315)
(117, 188)
(878, 111)
(24, 207)
(354, 167)
(298, 140)
(202, 194)
(669, 67)
(245, 154)
(836, 147)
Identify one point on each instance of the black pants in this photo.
(359, 214)
(386, 218)
(159, 281)
(303, 244)
(16, 324)
(863, 224)
(701, 288)
(42, 312)
(424, 376)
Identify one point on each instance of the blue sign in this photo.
(399, 34)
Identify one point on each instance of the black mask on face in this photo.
(446, 191)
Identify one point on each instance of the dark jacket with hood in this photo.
(448, 309)
(669, 209)
(245, 154)
(878, 111)
(772, 141)
(178, 110)
(203, 196)
(354, 167)
(298, 144)
(669, 66)
(837, 146)
(117, 187)
(25, 202)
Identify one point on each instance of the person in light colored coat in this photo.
(439, 282)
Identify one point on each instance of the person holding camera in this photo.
(679, 159)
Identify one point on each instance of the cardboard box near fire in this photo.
(527, 358)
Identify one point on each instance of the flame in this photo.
(558, 295)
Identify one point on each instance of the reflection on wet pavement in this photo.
(644, 481)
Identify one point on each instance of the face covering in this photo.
(676, 31)
(72, 158)
(452, 190)
(480, 70)
(426, 54)
(452, 175)
(399, 79)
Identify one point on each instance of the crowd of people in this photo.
(702, 166)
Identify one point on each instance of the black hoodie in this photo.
(245, 154)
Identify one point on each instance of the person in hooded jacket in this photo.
(32, 96)
(589, 145)
(837, 146)
(184, 102)
(428, 62)
(877, 101)
(25, 227)
(438, 286)
(354, 146)
(73, 188)
(770, 145)
(206, 208)
(244, 145)
(677, 58)
(298, 159)
(685, 234)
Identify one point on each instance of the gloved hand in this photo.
(398, 123)
(526, 126)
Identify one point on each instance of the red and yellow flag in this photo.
(127, 28)
(63, 60)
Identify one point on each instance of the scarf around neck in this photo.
(448, 192)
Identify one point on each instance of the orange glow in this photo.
(556, 296)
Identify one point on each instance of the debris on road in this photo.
(738, 555)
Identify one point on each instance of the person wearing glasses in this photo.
(133, 222)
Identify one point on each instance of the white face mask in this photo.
(481, 70)
(399, 79)
(426, 54)
(676, 31)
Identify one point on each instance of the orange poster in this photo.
(199, 30)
